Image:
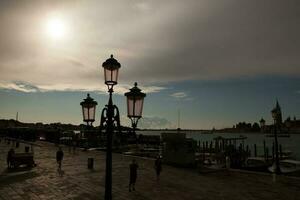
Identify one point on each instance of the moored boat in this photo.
(256, 164)
(278, 135)
(287, 166)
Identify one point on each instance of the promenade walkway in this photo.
(78, 182)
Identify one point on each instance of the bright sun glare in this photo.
(56, 28)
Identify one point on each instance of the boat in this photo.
(287, 166)
(256, 164)
(278, 135)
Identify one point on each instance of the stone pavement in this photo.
(78, 182)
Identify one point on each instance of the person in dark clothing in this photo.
(10, 153)
(59, 157)
(158, 167)
(133, 174)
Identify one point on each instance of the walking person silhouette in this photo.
(59, 158)
(158, 167)
(133, 175)
(10, 154)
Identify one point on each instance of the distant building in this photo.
(277, 115)
(292, 125)
(288, 126)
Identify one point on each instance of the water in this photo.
(291, 143)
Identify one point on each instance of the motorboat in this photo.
(286, 166)
(256, 164)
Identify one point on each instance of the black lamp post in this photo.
(288, 124)
(135, 102)
(275, 115)
(88, 110)
(110, 118)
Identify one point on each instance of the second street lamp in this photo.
(135, 102)
(88, 110)
(110, 118)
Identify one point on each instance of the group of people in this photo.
(133, 168)
(133, 172)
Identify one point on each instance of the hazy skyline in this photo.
(218, 62)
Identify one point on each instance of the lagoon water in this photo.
(291, 143)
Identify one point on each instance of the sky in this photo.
(215, 62)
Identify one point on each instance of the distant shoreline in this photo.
(210, 132)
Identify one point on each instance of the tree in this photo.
(255, 127)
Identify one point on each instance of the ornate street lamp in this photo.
(135, 102)
(88, 110)
(276, 115)
(111, 71)
(110, 118)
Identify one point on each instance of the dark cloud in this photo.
(231, 39)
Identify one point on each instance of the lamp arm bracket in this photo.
(115, 118)
(134, 121)
(103, 121)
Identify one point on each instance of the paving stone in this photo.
(78, 182)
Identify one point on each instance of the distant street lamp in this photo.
(276, 117)
(88, 110)
(135, 102)
(288, 124)
(110, 118)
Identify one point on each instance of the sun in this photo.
(56, 28)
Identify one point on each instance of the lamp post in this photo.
(275, 116)
(110, 118)
(135, 102)
(88, 110)
(288, 124)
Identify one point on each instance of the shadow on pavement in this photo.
(19, 176)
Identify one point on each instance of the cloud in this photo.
(26, 87)
(149, 122)
(18, 87)
(179, 95)
(155, 123)
(156, 42)
(152, 89)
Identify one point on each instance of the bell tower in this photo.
(276, 114)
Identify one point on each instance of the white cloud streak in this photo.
(18, 87)
(179, 95)
(27, 88)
